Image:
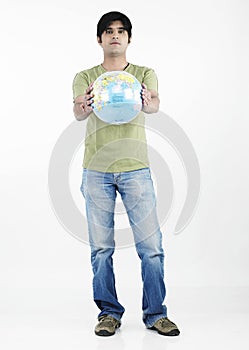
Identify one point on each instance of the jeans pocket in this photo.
(145, 173)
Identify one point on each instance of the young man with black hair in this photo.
(130, 176)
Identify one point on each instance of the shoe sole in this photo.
(172, 333)
(104, 333)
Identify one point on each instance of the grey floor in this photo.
(216, 318)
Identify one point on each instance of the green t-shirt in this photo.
(115, 148)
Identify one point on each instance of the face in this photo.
(114, 39)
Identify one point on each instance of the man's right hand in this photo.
(83, 104)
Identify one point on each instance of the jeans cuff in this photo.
(112, 314)
(150, 320)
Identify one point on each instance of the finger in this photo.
(147, 99)
(88, 97)
(89, 108)
(87, 103)
(90, 87)
(145, 93)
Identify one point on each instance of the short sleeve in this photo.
(80, 84)
(150, 80)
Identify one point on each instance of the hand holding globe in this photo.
(146, 95)
(87, 99)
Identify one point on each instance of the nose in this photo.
(115, 34)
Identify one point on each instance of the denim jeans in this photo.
(137, 192)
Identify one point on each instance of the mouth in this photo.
(115, 43)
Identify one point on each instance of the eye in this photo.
(109, 31)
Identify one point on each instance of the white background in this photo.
(199, 50)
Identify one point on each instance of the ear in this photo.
(129, 40)
(99, 40)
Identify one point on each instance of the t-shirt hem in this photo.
(119, 169)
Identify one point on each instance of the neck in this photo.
(114, 63)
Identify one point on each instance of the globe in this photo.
(117, 97)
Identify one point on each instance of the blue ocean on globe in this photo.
(117, 97)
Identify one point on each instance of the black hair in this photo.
(110, 17)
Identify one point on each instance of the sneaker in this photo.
(165, 327)
(107, 326)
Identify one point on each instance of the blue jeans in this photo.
(138, 196)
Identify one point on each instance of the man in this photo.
(104, 173)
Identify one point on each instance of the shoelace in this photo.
(108, 320)
(166, 322)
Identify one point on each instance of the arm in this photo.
(150, 100)
(82, 104)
